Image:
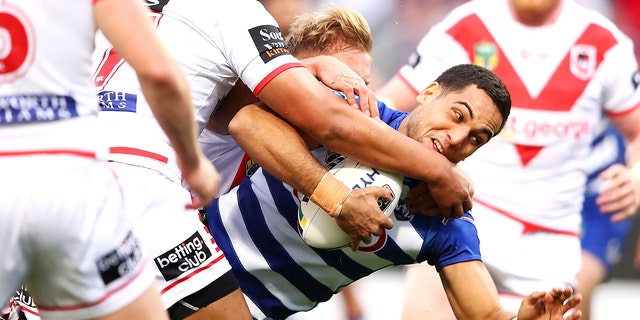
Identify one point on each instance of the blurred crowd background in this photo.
(398, 25)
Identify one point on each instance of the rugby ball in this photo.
(320, 230)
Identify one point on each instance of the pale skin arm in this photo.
(256, 129)
(338, 76)
(620, 197)
(296, 95)
(398, 94)
(361, 217)
(164, 86)
(473, 295)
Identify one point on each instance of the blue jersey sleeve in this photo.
(447, 241)
(389, 116)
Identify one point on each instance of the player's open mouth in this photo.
(438, 146)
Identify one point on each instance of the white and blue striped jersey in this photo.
(256, 226)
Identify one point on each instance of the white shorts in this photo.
(64, 232)
(185, 256)
(523, 263)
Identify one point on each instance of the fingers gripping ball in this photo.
(318, 229)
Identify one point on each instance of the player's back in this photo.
(45, 74)
(219, 41)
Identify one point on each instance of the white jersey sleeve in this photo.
(235, 39)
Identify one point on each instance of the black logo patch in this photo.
(156, 5)
(189, 254)
(269, 42)
(383, 204)
(121, 260)
(635, 79)
(414, 59)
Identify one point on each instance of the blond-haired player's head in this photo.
(336, 31)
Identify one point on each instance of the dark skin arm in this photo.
(255, 127)
(309, 106)
(473, 295)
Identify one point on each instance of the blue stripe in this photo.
(334, 258)
(250, 285)
(392, 252)
(274, 252)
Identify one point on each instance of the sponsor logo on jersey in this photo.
(542, 128)
(269, 42)
(36, 108)
(23, 298)
(156, 5)
(486, 55)
(414, 59)
(250, 167)
(402, 211)
(121, 260)
(583, 61)
(117, 101)
(189, 254)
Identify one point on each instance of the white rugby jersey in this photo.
(45, 75)
(562, 79)
(216, 42)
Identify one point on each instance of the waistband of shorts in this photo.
(165, 164)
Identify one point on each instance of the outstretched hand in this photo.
(361, 217)
(551, 305)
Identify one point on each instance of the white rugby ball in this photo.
(320, 230)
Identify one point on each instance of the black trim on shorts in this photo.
(214, 291)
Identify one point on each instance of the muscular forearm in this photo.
(329, 120)
(277, 147)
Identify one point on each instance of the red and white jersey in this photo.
(234, 39)
(228, 157)
(45, 80)
(563, 79)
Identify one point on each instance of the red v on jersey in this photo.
(574, 72)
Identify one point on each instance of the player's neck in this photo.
(536, 17)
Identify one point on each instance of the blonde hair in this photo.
(330, 30)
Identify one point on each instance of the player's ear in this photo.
(430, 92)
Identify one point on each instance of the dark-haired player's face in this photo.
(455, 124)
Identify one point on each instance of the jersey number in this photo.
(111, 60)
(16, 43)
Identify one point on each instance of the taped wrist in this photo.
(330, 194)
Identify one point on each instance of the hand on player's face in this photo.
(346, 71)
(455, 124)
